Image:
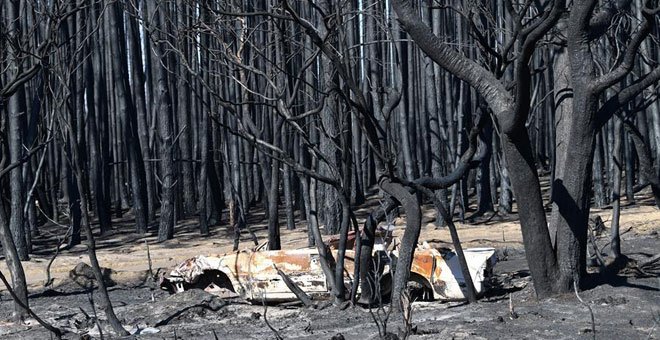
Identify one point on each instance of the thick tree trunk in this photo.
(538, 248)
(329, 145)
(571, 190)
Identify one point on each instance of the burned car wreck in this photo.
(253, 276)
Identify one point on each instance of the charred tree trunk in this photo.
(615, 243)
(19, 284)
(17, 224)
(16, 109)
(273, 203)
(99, 143)
(141, 107)
(184, 110)
(81, 180)
(165, 130)
(128, 113)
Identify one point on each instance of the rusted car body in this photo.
(253, 275)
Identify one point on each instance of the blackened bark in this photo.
(73, 203)
(615, 244)
(100, 155)
(648, 172)
(599, 185)
(184, 111)
(165, 130)
(629, 159)
(506, 196)
(340, 288)
(273, 203)
(325, 257)
(204, 134)
(81, 181)
(16, 110)
(287, 186)
(17, 187)
(524, 179)
(141, 107)
(14, 265)
(411, 206)
(128, 113)
(203, 176)
(484, 200)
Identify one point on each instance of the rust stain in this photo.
(291, 262)
(423, 264)
(255, 271)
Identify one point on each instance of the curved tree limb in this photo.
(630, 54)
(601, 21)
(464, 162)
(24, 159)
(486, 84)
(410, 237)
(621, 98)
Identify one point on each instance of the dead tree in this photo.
(554, 268)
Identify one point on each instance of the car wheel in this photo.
(215, 282)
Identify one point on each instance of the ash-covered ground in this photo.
(624, 307)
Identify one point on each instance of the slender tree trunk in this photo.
(599, 185)
(629, 158)
(484, 200)
(99, 143)
(15, 110)
(141, 107)
(73, 202)
(183, 111)
(128, 113)
(91, 245)
(287, 187)
(17, 224)
(273, 215)
(14, 264)
(615, 244)
(165, 131)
